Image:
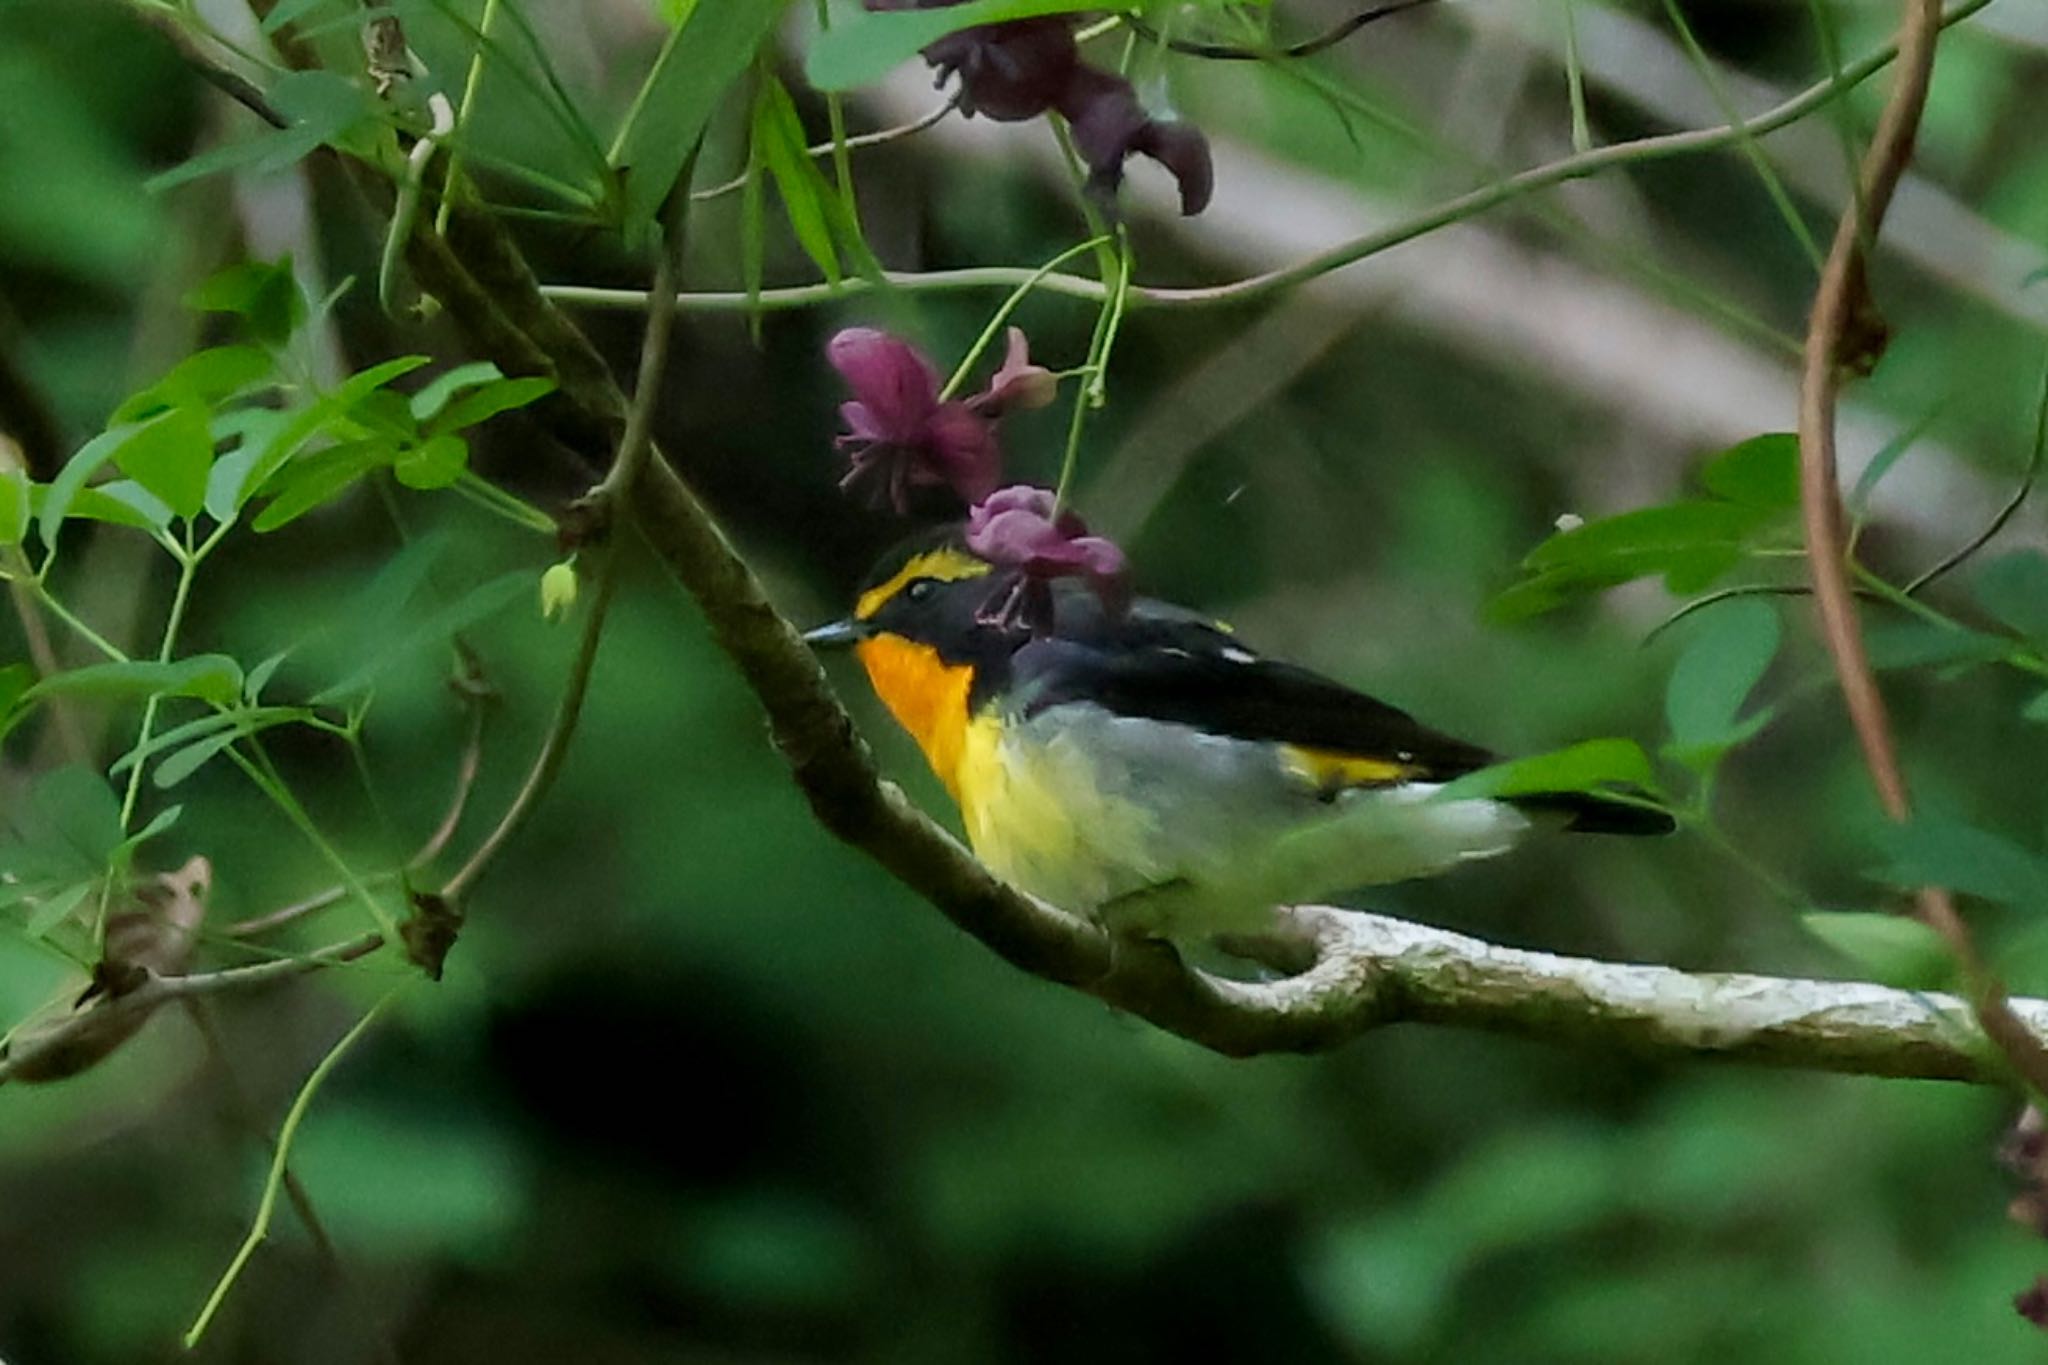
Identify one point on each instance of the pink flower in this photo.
(901, 435)
(1021, 527)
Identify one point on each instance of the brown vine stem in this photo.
(1846, 332)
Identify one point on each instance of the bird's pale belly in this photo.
(1157, 827)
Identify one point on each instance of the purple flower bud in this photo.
(900, 435)
(1017, 385)
(1021, 527)
(1008, 72)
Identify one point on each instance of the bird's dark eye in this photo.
(921, 588)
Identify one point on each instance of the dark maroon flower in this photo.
(1018, 70)
(1022, 527)
(901, 435)
(2031, 1303)
(1110, 125)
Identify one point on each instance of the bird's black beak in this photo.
(837, 635)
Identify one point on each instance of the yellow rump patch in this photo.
(946, 564)
(927, 696)
(1330, 771)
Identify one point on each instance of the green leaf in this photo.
(171, 455)
(434, 463)
(1585, 767)
(318, 479)
(147, 507)
(862, 47)
(158, 823)
(778, 137)
(1975, 862)
(208, 677)
(1760, 472)
(321, 107)
(264, 294)
(15, 679)
(700, 62)
(14, 507)
(1731, 648)
(75, 808)
(64, 489)
(1917, 644)
(500, 395)
(1894, 949)
(1690, 544)
(58, 907)
(441, 626)
(123, 502)
(442, 387)
(200, 380)
(259, 676)
(190, 759)
(2014, 589)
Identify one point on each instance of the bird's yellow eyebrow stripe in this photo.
(946, 564)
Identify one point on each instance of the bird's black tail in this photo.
(1591, 813)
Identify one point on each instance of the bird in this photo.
(1136, 763)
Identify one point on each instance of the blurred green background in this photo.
(703, 1085)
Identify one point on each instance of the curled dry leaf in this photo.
(153, 938)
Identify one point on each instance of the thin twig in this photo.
(612, 499)
(824, 150)
(1308, 47)
(1845, 333)
(1961, 554)
(157, 990)
(1254, 287)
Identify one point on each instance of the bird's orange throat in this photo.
(927, 695)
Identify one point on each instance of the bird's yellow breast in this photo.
(926, 695)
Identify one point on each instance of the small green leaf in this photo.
(442, 387)
(321, 107)
(318, 479)
(171, 455)
(178, 766)
(208, 677)
(1585, 767)
(1650, 533)
(15, 679)
(2014, 588)
(501, 395)
(14, 507)
(77, 809)
(1760, 472)
(200, 380)
(1895, 949)
(158, 823)
(434, 463)
(383, 650)
(57, 907)
(1975, 862)
(149, 509)
(64, 489)
(259, 676)
(778, 138)
(1731, 648)
(1918, 644)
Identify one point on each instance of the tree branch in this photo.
(1846, 332)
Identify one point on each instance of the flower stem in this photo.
(1002, 314)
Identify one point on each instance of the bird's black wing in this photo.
(1165, 663)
